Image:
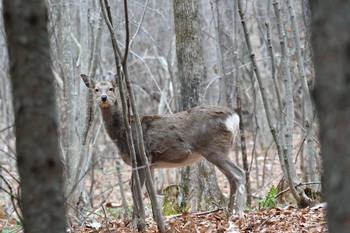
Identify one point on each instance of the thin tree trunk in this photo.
(284, 152)
(122, 61)
(223, 26)
(266, 104)
(291, 177)
(239, 107)
(136, 185)
(287, 131)
(309, 115)
(243, 144)
(84, 111)
(68, 136)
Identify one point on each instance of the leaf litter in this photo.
(273, 219)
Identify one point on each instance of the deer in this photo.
(177, 140)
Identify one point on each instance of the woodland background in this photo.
(265, 70)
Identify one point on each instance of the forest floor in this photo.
(273, 219)
(105, 212)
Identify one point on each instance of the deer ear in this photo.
(89, 82)
(115, 81)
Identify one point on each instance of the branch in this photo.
(301, 184)
(127, 33)
(13, 198)
(139, 26)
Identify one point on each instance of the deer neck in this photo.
(114, 123)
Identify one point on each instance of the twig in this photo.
(300, 184)
(268, 183)
(13, 198)
(197, 214)
(6, 128)
(139, 26)
(153, 78)
(264, 222)
(208, 212)
(105, 216)
(10, 149)
(9, 173)
(127, 34)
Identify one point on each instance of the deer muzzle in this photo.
(104, 98)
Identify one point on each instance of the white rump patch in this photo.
(241, 189)
(232, 123)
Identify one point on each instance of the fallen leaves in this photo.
(274, 219)
(289, 219)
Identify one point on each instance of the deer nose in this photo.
(104, 98)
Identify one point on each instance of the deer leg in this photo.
(236, 177)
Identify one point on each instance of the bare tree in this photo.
(331, 43)
(38, 155)
(309, 111)
(77, 113)
(223, 11)
(69, 137)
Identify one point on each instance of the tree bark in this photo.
(38, 157)
(331, 44)
(188, 52)
(223, 29)
(199, 180)
(69, 138)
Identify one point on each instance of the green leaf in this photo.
(270, 199)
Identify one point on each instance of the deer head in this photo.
(104, 91)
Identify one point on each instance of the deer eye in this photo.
(111, 89)
(97, 90)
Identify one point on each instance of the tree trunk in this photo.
(188, 52)
(224, 24)
(308, 106)
(287, 122)
(69, 138)
(191, 79)
(38, 157)
(331, 44)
